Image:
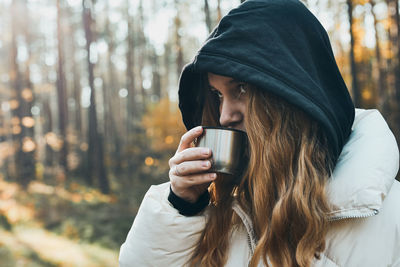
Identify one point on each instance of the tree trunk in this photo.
(178, 43)
(397, 67)
(389, 61)
(22, 98)
(167, 61)
(381, 103)
(76, 83)
(28, 143)
(130, 72)
(156, 76)
(219, 13)
(95, 151)
(47, 129)
(61, 92)
(355, 88)
(141, 58)
(207, 15)
(113, 130)
(109, 89)
(15, 79)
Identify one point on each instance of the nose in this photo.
(230, 114)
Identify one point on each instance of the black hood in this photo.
(278, 46)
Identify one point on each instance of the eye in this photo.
(241, 89)
(218, 93)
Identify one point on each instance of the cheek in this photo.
(243, 109)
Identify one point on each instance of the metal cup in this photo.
(229, 149)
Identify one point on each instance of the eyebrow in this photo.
(231, 81)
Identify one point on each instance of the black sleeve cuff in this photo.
(186, 208)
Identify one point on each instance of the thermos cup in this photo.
(229, 149)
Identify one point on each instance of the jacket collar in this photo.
(365, 170)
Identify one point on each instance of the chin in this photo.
(242, 128)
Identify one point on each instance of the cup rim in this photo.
(223, 128)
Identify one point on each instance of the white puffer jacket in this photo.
(362, 190)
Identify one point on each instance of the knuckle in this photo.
(183, 168)
(195, 150)
(191, 179)
(181, 156)
(183, 137)
(191, 152)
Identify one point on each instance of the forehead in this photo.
(219, 80)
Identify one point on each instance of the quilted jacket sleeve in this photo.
(160, 236)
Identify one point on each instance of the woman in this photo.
(319, 189)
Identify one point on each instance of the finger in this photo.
(191, 167)
(189, 137)
(192, 180)
(190, 154)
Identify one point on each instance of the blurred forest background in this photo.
(89, 116)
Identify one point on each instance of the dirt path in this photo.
(30, 246)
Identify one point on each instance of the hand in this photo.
(188, 168)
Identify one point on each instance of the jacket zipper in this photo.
(251, 251)
(365, 215)
(251, 240)
(249, 243)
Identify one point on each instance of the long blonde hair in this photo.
(283, 187)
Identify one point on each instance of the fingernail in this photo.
(206, 163)
(213, 175)
(206, 151)
(199, 129)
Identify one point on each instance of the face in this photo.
(232, 98)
